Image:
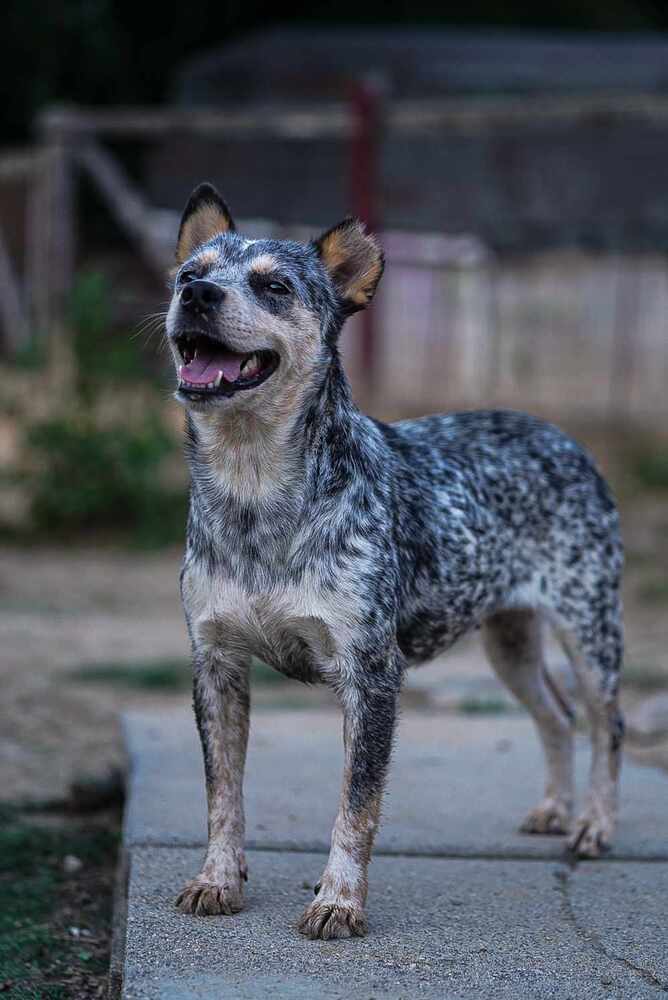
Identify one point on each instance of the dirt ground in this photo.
(68, 610)
(61, 610)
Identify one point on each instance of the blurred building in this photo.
(557, 149)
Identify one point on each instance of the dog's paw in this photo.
(332, 920)
(591, 837)
(551, 817)
(204, 898)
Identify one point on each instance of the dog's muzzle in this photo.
(211, 368)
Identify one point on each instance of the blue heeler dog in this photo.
(341, 550)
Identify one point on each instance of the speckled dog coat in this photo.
(339, 549)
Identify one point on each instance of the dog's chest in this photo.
(295, 629)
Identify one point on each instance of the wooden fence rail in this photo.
(334, 120)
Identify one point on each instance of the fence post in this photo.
(15, 327)
(624, 331)
(37, 260)
(366, 108)
(51, 231)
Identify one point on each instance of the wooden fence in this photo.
(559, 333)
(554, 332)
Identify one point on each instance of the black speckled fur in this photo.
(465, 513)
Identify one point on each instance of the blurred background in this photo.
(512, 157)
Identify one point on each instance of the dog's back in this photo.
(496, 509)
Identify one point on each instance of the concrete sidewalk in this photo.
(460, 905)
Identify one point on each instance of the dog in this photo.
(341, 550)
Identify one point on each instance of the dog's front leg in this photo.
(368, 723)
(221, 700)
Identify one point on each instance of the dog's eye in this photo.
(187, 276)
(278, 288)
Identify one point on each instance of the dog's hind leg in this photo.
(369, 711)
(596, 649)
(514, 644)
(221, 700)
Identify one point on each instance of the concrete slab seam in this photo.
(590, 938)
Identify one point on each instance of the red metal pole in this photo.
(365, 103)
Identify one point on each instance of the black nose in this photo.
(201, 295)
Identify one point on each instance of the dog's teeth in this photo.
(218, 380)
(250, 366)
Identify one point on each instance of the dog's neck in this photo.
(249, 457)
(270, 460)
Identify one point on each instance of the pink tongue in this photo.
(209, 361)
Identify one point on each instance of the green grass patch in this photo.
(159, 675)
(484, 706)
(39, 958)
(150, 675)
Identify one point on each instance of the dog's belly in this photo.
(425, 636)
(432, 619)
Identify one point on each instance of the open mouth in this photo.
(211, 369)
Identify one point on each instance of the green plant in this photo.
(91, 479)
(32, 355)
(86, 477)
(102, 354)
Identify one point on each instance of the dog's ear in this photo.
(205, 216)
(354, 260)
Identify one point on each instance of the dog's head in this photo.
(255, 317)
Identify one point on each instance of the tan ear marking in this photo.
(354, 260)
(206, 215)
